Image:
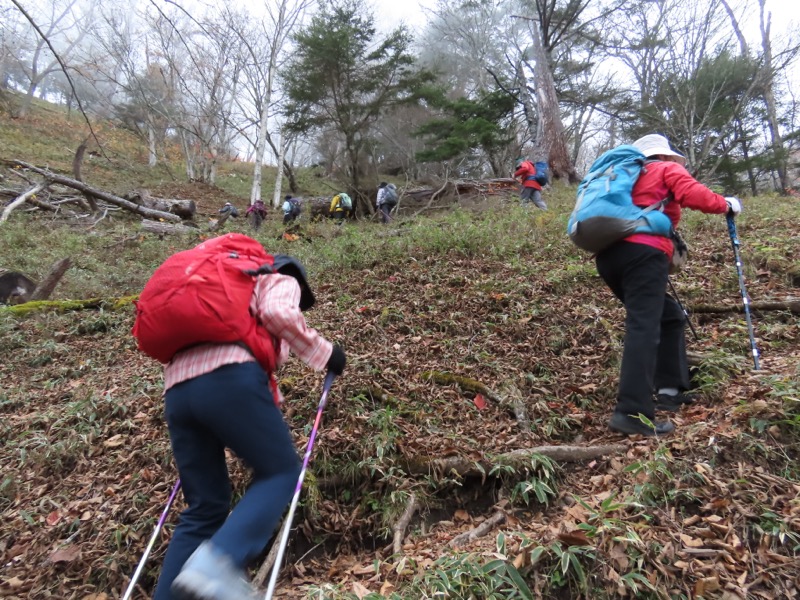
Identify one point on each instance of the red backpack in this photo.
(203, 295)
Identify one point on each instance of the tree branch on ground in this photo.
(488, 525)
(100, 194)
(21, 199)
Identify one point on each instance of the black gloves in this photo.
(337, 360)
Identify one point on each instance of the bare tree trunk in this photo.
(261, 144)
(276, 197)
(553, 141)
(152, 155)
(767, 73)
(528, 108)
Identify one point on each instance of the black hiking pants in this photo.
(654, 354)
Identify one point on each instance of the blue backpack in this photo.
(541, 173)
(604, 212)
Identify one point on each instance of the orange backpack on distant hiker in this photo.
(203, 295)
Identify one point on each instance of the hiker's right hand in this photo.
(337, 360)
(734, 206)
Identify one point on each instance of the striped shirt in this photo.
(276, 304)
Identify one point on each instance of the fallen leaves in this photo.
(66, 554)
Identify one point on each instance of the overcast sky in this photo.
(785, 13)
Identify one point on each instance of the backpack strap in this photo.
(265, 269)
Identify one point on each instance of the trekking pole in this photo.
(288, 523)
(147, 550)
(686, 314)
(742, 288)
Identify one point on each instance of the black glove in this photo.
(337, 360)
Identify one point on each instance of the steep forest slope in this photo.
(477, 341)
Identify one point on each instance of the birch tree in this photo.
(265, 44)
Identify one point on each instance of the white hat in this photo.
(653, 144)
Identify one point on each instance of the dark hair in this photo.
(382, 184)
(287, 197)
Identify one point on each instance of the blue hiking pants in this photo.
(230, 407)
(654, 354)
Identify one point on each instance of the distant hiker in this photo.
(636, 270)
(229, 210)
(221, 342)
(291, 209)
(256, 213)
(341, 207)
(531, 185)
(387, 199)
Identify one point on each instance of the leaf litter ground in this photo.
(711, 511)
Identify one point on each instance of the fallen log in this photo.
(96, 193)
(185, 209)
(166, 228)
(790, 304)
(27, 308)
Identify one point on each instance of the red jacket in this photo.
(527, 171)
(657, 181)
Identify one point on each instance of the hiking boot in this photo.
(210, 575)
(628, 425)
(673, 403)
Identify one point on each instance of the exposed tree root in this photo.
(790, 304)
(488, 525)
(266, 566)
(465, 467)
(402, 523)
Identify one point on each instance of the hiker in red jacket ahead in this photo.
(531, 189)
(636, 270)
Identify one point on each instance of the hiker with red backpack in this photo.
(636, 269)
(222, 317)
(532, 179)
